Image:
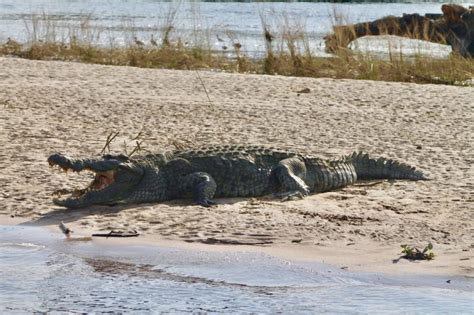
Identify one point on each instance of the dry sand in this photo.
(49, 107)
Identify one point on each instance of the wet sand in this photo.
(53, 106)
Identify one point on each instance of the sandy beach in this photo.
(50, 106)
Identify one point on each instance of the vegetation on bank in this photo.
(413, 253)
(287, 53)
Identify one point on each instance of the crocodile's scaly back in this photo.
(269, 154)
(239, 171)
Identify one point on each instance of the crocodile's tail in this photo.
(382, 168)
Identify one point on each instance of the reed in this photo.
(287, 52)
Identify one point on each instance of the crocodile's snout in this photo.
(60, 160)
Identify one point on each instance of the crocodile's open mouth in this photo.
(114, 179)
(100, 181)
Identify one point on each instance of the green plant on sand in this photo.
(413, 253)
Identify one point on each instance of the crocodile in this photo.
(454, 27)
(219, 171)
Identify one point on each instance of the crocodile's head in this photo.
(116, 177)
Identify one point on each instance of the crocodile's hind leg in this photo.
(290, 174)
(202, 187)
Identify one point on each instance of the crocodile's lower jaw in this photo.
(61, 202)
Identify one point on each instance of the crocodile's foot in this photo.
(202, 186)
(290, 195)
(205, 202)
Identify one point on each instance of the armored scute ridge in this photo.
(220, 171)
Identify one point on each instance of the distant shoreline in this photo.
(281, 38)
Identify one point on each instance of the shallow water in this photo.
(217, 24)
(41, 272)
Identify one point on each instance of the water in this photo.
(217, 24)
(41, 272)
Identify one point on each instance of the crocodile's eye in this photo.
(119, 157)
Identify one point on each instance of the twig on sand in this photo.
(109, 140)
(138, 146)
(117, 234)
(67, 231)
(138, 135)
(204, 87)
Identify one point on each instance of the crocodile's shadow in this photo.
(60, 214)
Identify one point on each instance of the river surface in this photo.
(217, 25)
(42, 272)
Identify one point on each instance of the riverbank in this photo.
(366, 257)
(71, 108)
(262, 38)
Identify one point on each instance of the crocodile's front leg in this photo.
(202, 187)
(290, 174)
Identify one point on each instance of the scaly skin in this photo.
(455, 27)
(221, 171)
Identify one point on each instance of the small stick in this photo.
(136, 149)
(205, 90)
(117, 234)
(139, 135)
(110, 138)
(66, 231)
(203, 85)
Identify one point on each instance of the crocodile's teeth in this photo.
(60, 192)
(59, 202)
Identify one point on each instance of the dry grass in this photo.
(293, 57)
(172, 57)
(287, 53)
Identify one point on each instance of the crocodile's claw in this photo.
(290, 195)
(205, 202)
